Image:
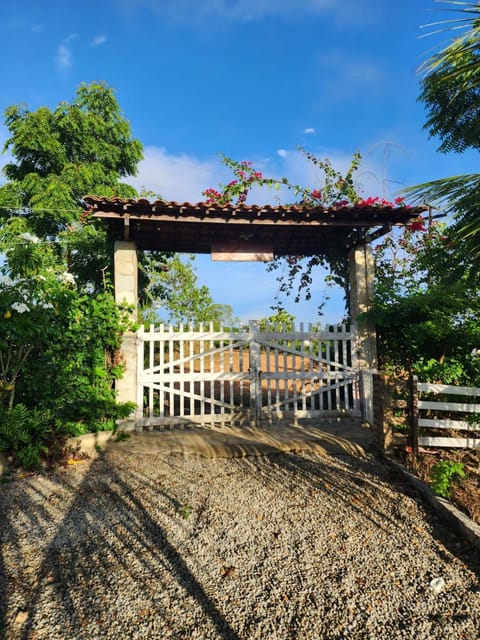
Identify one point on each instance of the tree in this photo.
(59, 156)
(426, 306)
(427, 299)
(60, 329)
(451, 94)
(182, 300)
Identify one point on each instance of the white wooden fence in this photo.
(208, 375)
(429, 414)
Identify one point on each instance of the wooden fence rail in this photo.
(433, 410)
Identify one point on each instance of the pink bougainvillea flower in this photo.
(417, 225)
(212, 194)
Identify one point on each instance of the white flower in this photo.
(29, 237)
(20, 307)
(67, 278)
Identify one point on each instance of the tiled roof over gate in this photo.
(289, 229)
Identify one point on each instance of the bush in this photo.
(59, 350)
(25, 434)
(443, 474)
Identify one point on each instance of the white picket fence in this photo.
(428, 415)
(208, 375)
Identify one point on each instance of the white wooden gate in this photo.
(220, 377)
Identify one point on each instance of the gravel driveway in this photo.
(282, 546)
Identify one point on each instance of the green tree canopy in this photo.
(59, 156)
(80, 147)
(427, 305)
(182, 300)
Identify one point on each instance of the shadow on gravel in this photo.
(3, 582)
(22, 510)
(107, 563)
(107, 528)
(359, 494)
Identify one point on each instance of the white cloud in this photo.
(301, 171)
(309, 130)
(177, 177)
(183, 177)
(98, 40)
(63, 59)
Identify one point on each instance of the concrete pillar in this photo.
(126, 290)
(362, 271)
(126, 273)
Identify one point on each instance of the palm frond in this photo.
(449, 192)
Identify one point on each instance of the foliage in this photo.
(59, 156)
(60, 328)
(427, 299)
(30, 285)
(451, 82)
(280, 318)
(186, 511)
(182, 300)
(24, 433)
(335, 190)
(427, 306)
(80, 147)
(58, 348)
(74, 376)
(451, 94)
(443, 474)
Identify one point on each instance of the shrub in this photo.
(443, 474)
(25, 434)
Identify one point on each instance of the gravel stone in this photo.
(275, 547)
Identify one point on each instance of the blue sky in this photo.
(252, 79)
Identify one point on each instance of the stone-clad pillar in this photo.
(126, 273)
(362, 271)
(126, 290)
